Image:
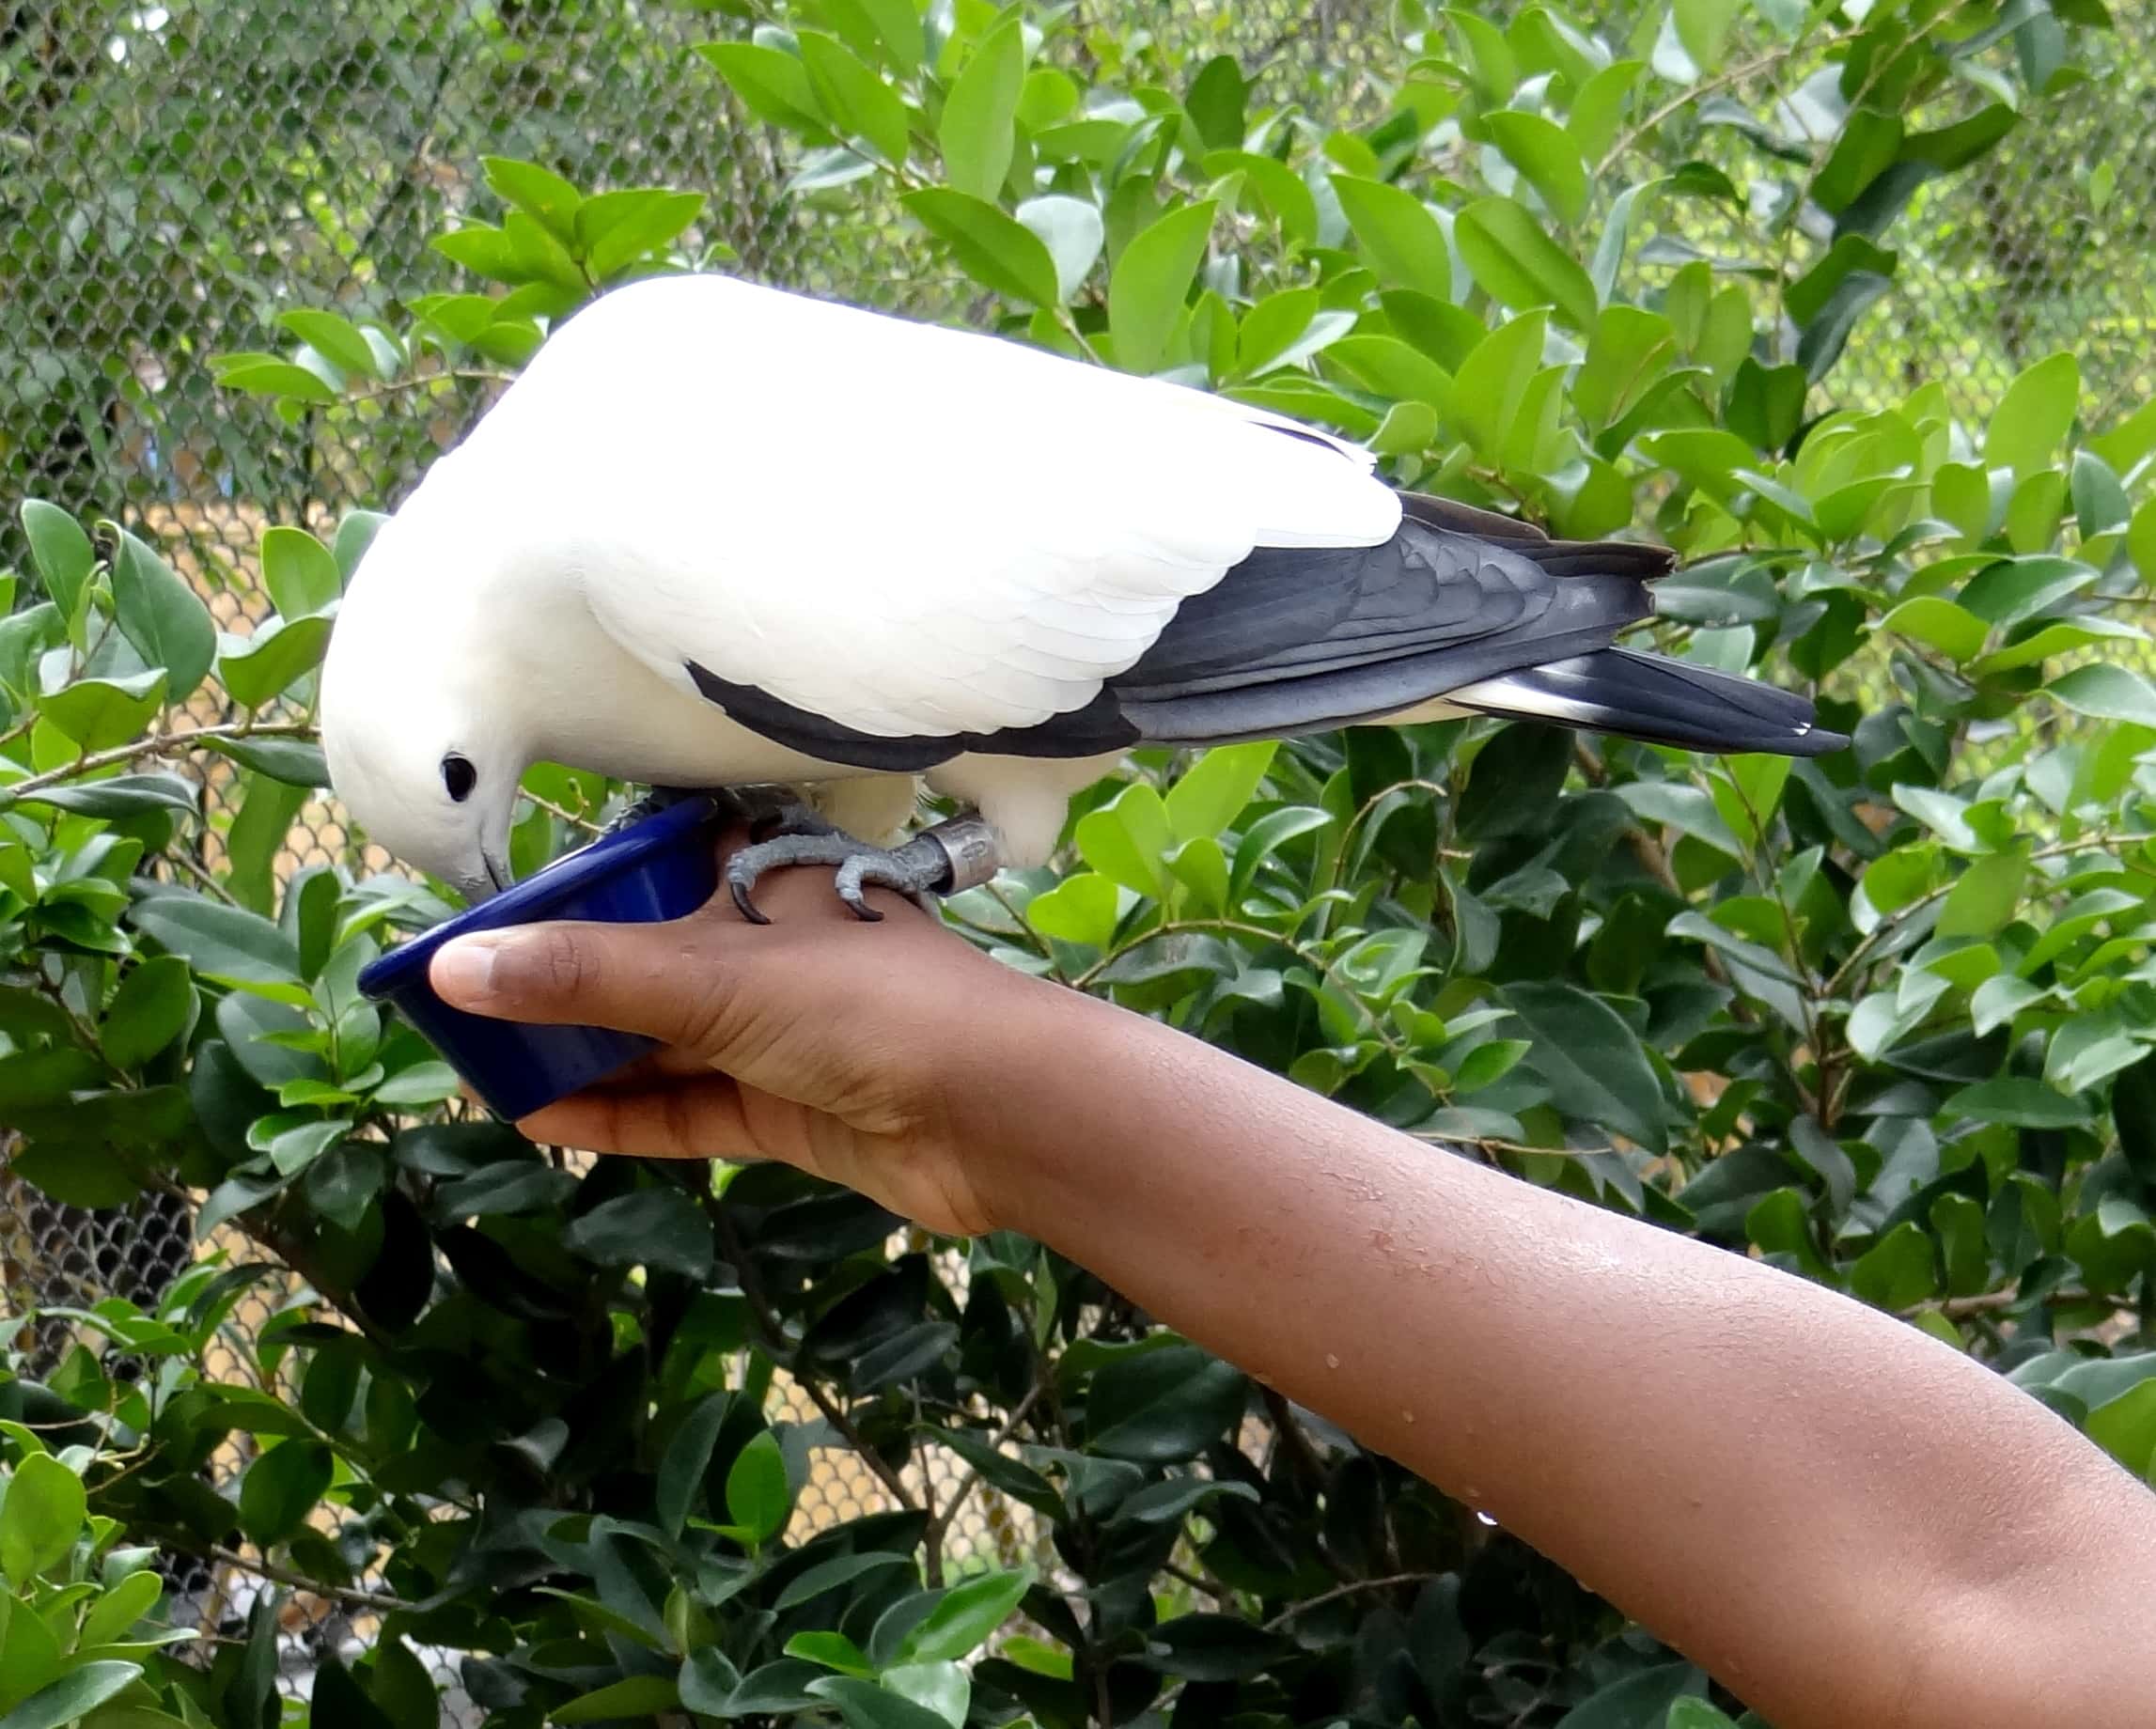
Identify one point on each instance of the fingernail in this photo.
(463, 972)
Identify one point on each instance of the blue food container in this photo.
(662, 867)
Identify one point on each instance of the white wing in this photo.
(905, 529)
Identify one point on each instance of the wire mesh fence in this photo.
(172, 175)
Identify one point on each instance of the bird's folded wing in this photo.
(910, 531)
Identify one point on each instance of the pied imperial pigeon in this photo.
(720, 537)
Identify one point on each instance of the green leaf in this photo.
(831, 1575)
(1636, 1700)
(120, 795)
(2034, 417)
(1597, 111)
(153, 1006)
(300, 572)
(282, 1486)
(60, 551)
(1081, 909)
(1072, 231)
(268, 375)
(1390, 368)
(1824, 337)
(967, 1616)
(759, 1497)
(538, 192)
(832, 1650)
(2107, 692)
(1146, 288)
(2125, 1427)
(687, 1458)
(1593, 1062)
(1984, 899)
(40, 1518)
(220, 941)
(1127, 841)
(856, 97)
(160, 616)
(1162, 1406)
(1703, 27)
(897, 26)
(637, 1696)
(1212, 792)
(1899, 1271)
(297, 762)
(1286, 329)
(1869, 144)
(617, 229)
(981, 113)
(2020, 1102)
(259, 669)
(1953, 630)
(771, 84)
(335, 338)
(98, 713)
(355, 534)
(73, 1696)
(996, 250)
(1493, 383)
(865, 1704)
(1397, 234)
(1276, 186)
(1216, 103)
(267, 810)
(658, 1227)
(1547, 154)
(1520, 265)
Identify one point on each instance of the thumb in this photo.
(653, 979)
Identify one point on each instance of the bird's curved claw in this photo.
(918, 869)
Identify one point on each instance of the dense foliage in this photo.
(1887, 1018)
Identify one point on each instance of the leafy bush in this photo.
(1885, 1018)
(79, 1637)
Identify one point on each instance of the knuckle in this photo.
(567, 964)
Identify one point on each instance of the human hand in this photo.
(841, 1047)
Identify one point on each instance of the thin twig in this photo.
(1721, 81)
(380, 1601)
(208, 883)
(419, 381)
(767, 1320)
(563, 813)
(1993, 1302)
(1353, 1588)
(158, 744)
(940, 1524)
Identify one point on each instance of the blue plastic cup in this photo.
(662, 867)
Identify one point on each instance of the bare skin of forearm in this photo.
(1846, 1520)
(1853, 1525)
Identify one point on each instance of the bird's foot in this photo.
(650, 804)
(950, 856)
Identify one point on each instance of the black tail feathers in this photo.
(1658, 701)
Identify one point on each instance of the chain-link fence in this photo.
(173, 174)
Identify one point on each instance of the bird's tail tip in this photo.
(1659, 701)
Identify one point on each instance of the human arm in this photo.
(1847, 1521)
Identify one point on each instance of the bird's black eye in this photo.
(459, 776)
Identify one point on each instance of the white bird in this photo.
(717, 536)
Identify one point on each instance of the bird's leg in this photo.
(762, 810)
(650, 804)
(953, 855)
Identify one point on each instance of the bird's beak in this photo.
(484, 884)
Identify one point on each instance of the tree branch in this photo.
(380, 1602)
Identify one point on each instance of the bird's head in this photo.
(420, 752)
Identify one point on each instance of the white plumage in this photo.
(874, 529)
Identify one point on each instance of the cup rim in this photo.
(527, 902)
